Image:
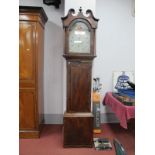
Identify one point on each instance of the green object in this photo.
(96, 113)
(119, 148)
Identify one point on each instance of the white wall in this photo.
(115, 49)
(115, 41)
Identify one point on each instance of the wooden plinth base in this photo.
(34, 133)
(78, 129)
(29, 134)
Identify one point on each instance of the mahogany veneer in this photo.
(78, 118)
(31, 46)
(78, 130)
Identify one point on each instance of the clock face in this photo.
(79, 38)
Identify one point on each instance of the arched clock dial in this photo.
(79, 38)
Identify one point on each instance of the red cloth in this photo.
(123, 112)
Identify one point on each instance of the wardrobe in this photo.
(31, 55)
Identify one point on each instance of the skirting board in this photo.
(58, 118)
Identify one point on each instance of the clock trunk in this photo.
(79, 86)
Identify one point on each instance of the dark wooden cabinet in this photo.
(31, 46)
(79, 52)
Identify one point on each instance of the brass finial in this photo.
(80, 10)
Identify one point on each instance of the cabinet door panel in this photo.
(79, 86)
(27, 109)
(27, 52)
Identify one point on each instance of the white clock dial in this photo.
(79, 38)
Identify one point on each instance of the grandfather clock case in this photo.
(31, 55)
(79, 52)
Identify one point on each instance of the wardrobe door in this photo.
(27, 109)
(27, 53)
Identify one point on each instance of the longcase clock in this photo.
(79, 52)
